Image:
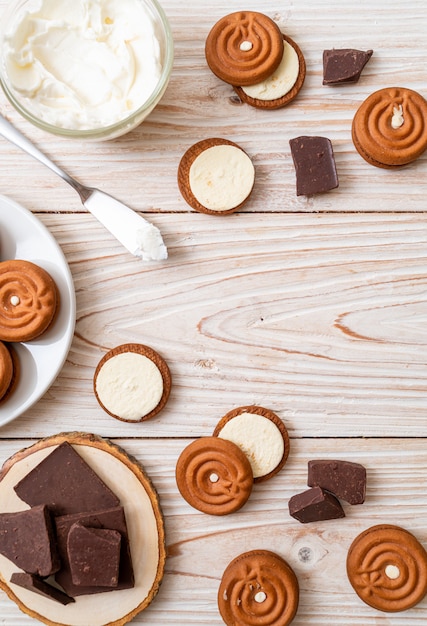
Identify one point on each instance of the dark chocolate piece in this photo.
(66, 483)
(344, 479)
(36, 584)
(315, 505)
(314, 165)
(344, 65)
(113, 519)
(94, 556)
(27, 539)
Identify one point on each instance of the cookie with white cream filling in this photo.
(132, 382)
(216, 176)
(281, 87)
(261, 434)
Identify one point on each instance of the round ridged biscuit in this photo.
(387, 568)
(28, 300)
(132, 394)
(214, 476)
(244, 47)
(286, 98)
(389, 129)
(260, 434)
(221, 180)
(16, 367)
(258, 588)
(6, 370)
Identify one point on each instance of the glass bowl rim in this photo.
(116, 128)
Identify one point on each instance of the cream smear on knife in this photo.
(83, 64)
(140, 237)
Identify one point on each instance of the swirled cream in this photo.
(83, 64)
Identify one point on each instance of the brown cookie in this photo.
(260, 434)
(216, 176)
(28, 300)
(132, 382)
(6, 370)
(244, 48)
(258, 587)
(387, 567)
(389, 128)
(280, 87)
(214, 476)
(15, 374)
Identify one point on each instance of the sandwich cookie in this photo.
(28, 300)
(258, 587)
(244, 48)
(260, 434)
(214, 476)
(10, 356)
(216, 176)
(280, 87)
(389, 128)
(387, 568)
(132, 382)
(6, 371)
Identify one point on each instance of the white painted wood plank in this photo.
(318, 317)
(141, 167)
(201, 546)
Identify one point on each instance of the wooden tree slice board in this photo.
(128, 480)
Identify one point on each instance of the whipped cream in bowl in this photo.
(85, 68)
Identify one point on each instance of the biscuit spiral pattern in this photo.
(378, 549)
(258, 588)
(244, 67)
(376, 135)
(214, 478)
(27, 300)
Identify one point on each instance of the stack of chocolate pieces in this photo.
(329, 481)
(73, 536)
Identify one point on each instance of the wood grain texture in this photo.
(319, 317)
(140, 168)
(312, 307)
(200, 546)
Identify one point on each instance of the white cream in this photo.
(129, 385)
(135, 233)
(397, 119)
(259, 438)
(221, 177)
(281, 82)
(83, 64)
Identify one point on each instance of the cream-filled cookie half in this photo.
(261, 434)
(283, 85)
(132, 382)
(281, 82)
(216, 176)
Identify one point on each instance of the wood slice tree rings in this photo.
(125, 476)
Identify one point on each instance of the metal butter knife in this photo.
(134, 232)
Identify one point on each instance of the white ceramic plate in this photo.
(23, 236)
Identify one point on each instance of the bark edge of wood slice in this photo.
(92, 448)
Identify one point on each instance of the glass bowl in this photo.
(13, 14)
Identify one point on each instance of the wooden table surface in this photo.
(312, 307)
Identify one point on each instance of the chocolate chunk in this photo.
(94, 556)
(344, 479)
(36, 584)
(314, 165)
(112, 519)
(315, 505)
(344, 65)
(27, 539)
(66, 483)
